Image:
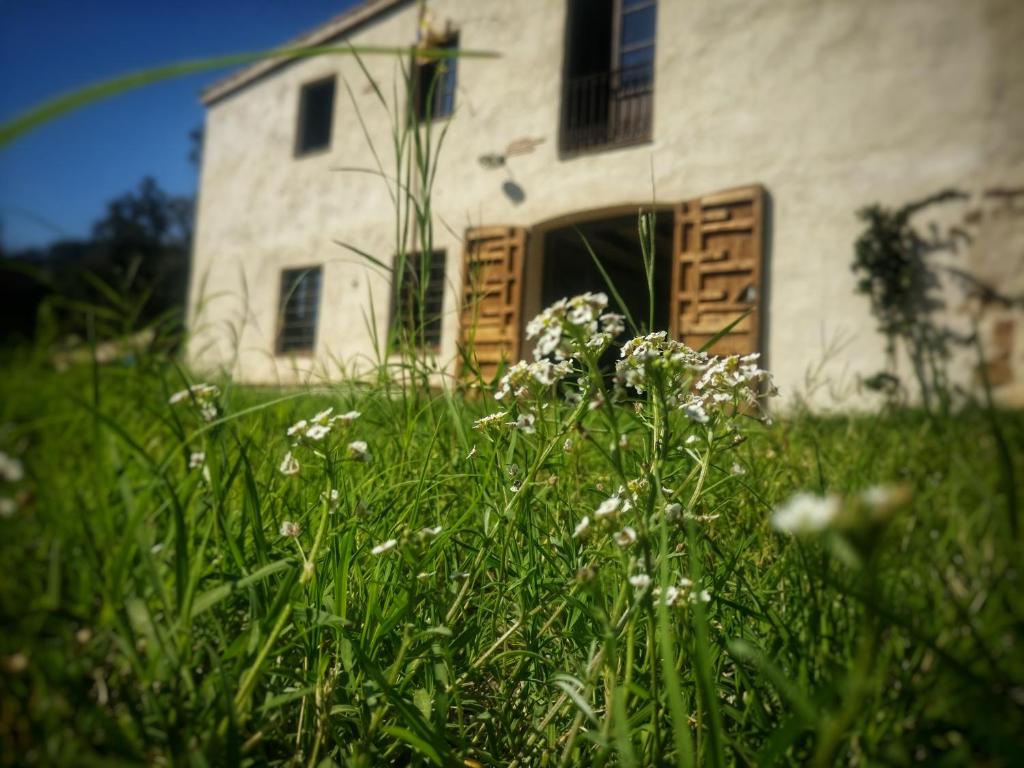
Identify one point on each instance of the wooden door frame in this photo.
(690, 212)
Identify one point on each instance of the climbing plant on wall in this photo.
(895, 264)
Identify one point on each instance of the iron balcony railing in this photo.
(608, 109)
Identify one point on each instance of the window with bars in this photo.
(416, 303)
(434, 81)
(298, 310)
(608, 91)
(316, 115)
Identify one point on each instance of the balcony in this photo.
(607, 109)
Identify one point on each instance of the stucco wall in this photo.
(830, 105)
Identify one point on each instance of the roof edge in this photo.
(339, 25)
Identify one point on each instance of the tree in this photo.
(141, 248)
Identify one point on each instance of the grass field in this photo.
(187, 583)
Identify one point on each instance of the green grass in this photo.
(154, 616)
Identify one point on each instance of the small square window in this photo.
(416, 314)
(316, 115)
(298, 309)
(434, 83)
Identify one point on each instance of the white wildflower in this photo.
(567, 445)
(298, 428)
(668, 596)
(582, 528)
(609, 507)
(691, 440)
(290, 529)
(883, 499)
(703, 596)
(347, 418)
(332, 498)
(358, 449)
(695, 411)
(197, 392)
(289, 465)
(429, 533)
(490, 420)
(471, 454)
(383, 547)
(640, 581)
(806, 513)
(196, 460)
(673, 511)
(626, 537)
(8, 506)
(318, 431)
(543, 372)
(323, 417)
(11, 468)
(612, 323)
(737, 469)
(526, 423)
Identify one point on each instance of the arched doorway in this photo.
(708, 273)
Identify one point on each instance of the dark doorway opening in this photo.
(569, 268)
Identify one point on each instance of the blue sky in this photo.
(55, 181)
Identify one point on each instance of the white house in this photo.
(755, 128)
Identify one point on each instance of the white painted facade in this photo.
(829, 104)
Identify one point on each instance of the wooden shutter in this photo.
(492, 280)
(716, 269)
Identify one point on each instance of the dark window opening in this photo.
(609, 74)
(434, 81)
(569, 268)
(316, 115)
(416, 314)
(298, 310)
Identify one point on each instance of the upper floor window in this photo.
(416, 314)
(433, 82)
(609, 74)
(298, 309)
(316, 116)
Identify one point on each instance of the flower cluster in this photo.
(490, 420)
(569, 324)
(729, 381)
(673, 594)
(202, 396)
(608, 514)
(697, 383)
(318, 427)
(313, 431)
(525, 379)
(523, 384)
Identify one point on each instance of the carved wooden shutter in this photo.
(492, 281)
(716, 269)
